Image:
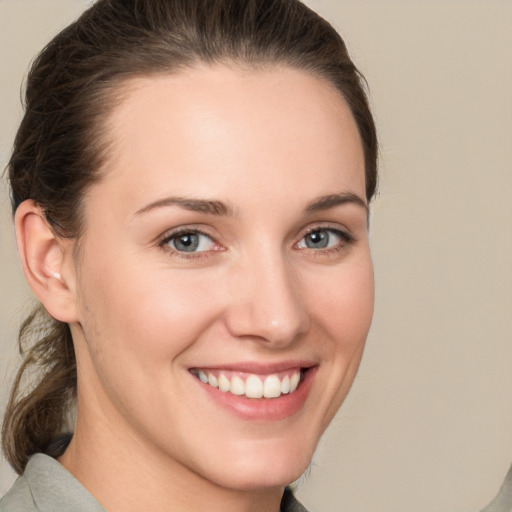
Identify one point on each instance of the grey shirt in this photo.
(46, 486)
(503, 501)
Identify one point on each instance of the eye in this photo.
(323, 238)
(189, 242)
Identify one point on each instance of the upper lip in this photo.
(258, 368)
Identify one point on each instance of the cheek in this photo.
(342, 303)
(341, 308)
(137, 327)
(146, 314)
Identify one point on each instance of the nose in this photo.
(265, 302)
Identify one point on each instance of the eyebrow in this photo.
(332, 200)
(219, 208)
(211, 207)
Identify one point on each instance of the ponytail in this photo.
(43, 391)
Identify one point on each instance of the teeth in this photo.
(212, 380)
(272, 387)
(294, 382)
(224, 384)
(285, 385)
(237, 386)
(255, 386)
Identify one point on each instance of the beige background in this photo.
(428, 425)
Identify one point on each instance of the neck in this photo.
(126, 475)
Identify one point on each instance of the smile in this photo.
(249, 384)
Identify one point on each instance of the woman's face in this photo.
(225, 254)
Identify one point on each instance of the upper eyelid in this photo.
(172, 233)
(328, 227)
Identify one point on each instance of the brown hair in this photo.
(61, 143)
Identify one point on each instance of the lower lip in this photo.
(263, 409)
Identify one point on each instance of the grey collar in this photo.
(54, 488)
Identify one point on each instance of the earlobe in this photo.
(45, 260)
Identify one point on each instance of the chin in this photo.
(262, 478)
(262, 468)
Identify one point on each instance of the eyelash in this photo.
(346, 238)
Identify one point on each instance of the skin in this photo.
(267, 143)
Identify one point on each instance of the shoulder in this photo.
(503, 501)
(18, 498)
(46, 486)
(289, 503)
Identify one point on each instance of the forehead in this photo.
(198, 130)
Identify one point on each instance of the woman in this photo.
(190, 184)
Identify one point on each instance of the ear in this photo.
(47, 262)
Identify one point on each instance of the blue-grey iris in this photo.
(188, 242)
(317, 240)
